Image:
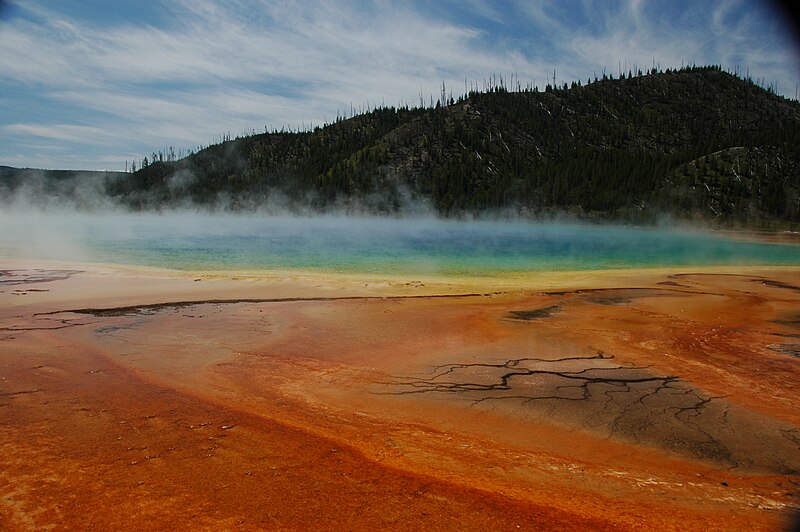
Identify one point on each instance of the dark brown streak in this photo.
(156, 307)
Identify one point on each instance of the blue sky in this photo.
(89, 84)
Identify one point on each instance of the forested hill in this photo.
(698, 143)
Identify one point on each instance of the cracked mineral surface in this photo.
(591, 401)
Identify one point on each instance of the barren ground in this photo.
(587, 401)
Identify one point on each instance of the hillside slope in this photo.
(698, 143)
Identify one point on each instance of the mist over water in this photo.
(419, 246)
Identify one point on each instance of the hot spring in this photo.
(191, 241)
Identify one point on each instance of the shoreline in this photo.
(384, 283)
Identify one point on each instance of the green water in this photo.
(369, 245)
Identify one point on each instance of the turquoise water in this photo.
(370, 245)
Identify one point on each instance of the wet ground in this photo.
(663, 401)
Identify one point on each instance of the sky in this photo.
(91, 84)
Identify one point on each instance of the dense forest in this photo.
(697, 143)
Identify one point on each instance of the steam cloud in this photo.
(74, 219)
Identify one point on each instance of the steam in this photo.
(82, 192)
(94, 192)
(191, 240)
(180, 181)
(75, 219)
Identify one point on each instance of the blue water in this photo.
(370, 245)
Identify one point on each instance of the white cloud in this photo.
(68, 132)
(209, 69)
(220, 70)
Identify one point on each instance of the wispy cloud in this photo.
(68, 132)
(199, 68)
